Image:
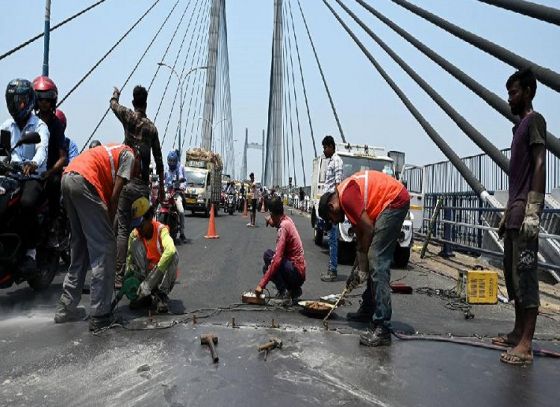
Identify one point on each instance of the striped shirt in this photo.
(333, 174)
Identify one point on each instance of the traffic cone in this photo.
(245, 211)
(212, 226)
(262, 207)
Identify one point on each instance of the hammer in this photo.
(272, 344)
(210, 340)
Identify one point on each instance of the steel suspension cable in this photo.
(501, 106)
(168, 46)
(547, 76)
(289, 32)
(432, 133)
(197, 6)
(67, 20)
(132, 72)
(528, 8)
(495, 154)
(322, 74)
(302, 79)
(82, 80)
(178, 54)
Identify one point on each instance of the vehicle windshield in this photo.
(351, 165)
(196, 179)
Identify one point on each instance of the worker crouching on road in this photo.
(152, 257)
(285, 266)
(376, 205)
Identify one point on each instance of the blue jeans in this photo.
(287, 277)
(333, 248)
(386, 232)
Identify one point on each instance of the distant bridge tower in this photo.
(273, 170)
(255, 146)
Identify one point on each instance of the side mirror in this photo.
(29, 137)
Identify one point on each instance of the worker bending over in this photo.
(152, 256)
(285, 266)
(376, 205)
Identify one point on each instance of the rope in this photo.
(26, 43)
(132, 72)
(107, 54)
(322, 74)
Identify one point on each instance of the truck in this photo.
(203, 174)
(358, 158)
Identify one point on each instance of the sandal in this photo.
(504, 341)
(516, 359)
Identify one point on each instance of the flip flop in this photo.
(516, 359)
(503, 340)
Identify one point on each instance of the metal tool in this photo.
(342, 295)
(210, 340)
(274, 343)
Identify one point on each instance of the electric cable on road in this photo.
(67, 20)
(96, 65)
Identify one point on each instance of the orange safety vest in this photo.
(154, 247)
(99, 167)
(378, 190)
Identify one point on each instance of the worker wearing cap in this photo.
(376, 205)
(91, 185)
(152, 255)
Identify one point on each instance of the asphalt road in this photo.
(160, 361)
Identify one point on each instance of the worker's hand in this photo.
(356, 278)
(29, 168)
(116, 92)
(530, 226)
(258, 291)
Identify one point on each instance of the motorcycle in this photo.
(167, 212)
(50, 245)
(230, 203)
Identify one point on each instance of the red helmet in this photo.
(62, 117)
(45, 88)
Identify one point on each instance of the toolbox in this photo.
(482, 286)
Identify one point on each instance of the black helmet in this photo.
(94, 143)
(20, 98)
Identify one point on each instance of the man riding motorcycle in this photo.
(20, 101)
(176, 172)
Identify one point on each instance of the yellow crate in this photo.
(482, 287)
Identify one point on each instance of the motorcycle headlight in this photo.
(200, 200)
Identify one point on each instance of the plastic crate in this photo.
(482, 287)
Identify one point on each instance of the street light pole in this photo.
(47, 38)
(181, 80)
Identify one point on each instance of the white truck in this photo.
(203, 170)
(358, 158)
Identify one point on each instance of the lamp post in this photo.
(180, 80)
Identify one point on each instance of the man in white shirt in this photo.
(20, 101)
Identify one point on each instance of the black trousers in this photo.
(30, 198)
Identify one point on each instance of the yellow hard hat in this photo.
(139, 209)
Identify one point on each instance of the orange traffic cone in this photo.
(212, 226)
(245, 210)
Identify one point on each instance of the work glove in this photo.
(530, 226)
(358, 276)
(502, 225)
(151, 281)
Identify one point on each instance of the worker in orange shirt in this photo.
(376, 205)
(91, 185)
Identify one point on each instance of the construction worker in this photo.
(376, 205)
(91, 185)
(141, 134)
(152, 256)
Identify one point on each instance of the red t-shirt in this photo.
(353, 201)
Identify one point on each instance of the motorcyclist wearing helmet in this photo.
(46, 94)
(20, 101)
(175, 172)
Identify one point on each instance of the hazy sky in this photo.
(369, 110)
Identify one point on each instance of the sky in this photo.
(370, 112)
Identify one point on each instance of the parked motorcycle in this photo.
(167, 212)
(50, 245)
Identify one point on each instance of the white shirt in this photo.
(29, 152)
(334, 172)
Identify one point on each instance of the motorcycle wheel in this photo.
(47, 262)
